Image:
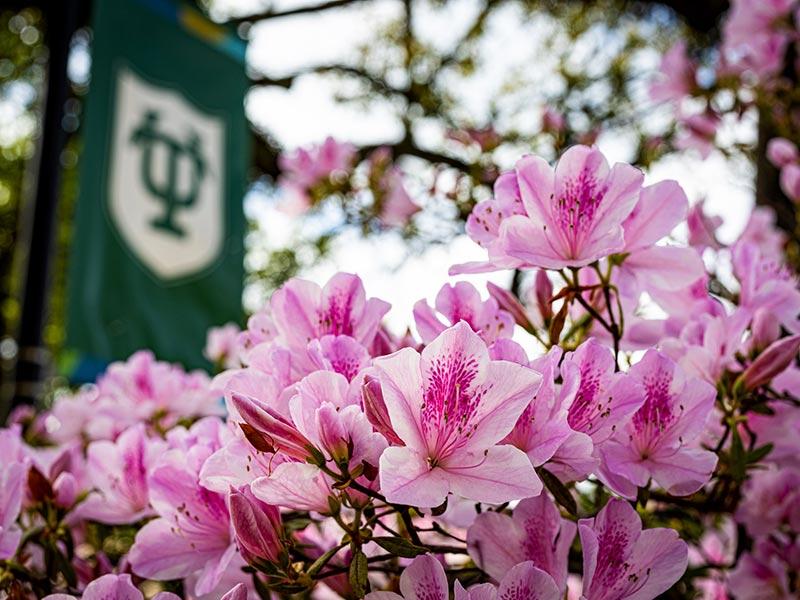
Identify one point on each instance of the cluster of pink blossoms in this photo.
(311, 175)
(627, 426)
(751, 69)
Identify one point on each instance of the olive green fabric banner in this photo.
(158, 246)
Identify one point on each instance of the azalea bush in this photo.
(626, 429)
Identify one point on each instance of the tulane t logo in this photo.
(148, 135)
(166, 186)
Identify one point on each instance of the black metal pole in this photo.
(61, 21)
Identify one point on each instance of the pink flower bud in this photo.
(65, 489)
(771, 362)
(543, 289)
(766, 329)
(553, 121)
(376, 411)
(508, 302)
(257, 526)
(790, 181)
(781, 152)
(276, 430)
(332, 434)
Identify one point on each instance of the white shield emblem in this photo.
(167, 179)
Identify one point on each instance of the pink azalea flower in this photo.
(782, 152)
(324, 415)
(770, 499)
(790, 182)
(762, 231)
(396, 205)
(260, 329)
(425, 579)
(661, 207)
(302, 311)
(542, 428)
(193, 532)
(676, 75)
(222, 345)
(753, 37)
(761, 574)
(451, 406)
(623, 562)
(553, 121)
(462, 302)
(781, 429)
(698, 132)
(13, 476)
(707, 345)
(599, 403)
(305, 168)
(702, 228)
(574, 213)
(483, 226)
(340, 354)
(658, 442)
(766, 284)
(118, 471)
(536, 533)
(142, 387)
(116, 587)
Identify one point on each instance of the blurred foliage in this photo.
(22, 74)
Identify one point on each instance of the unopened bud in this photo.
(257, 526)
(773, 361)
(375, 410)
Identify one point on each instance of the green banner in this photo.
(158, 246)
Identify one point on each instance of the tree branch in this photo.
(301, 10)
(374, 81)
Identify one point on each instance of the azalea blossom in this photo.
(658, 442)
(573, 213)
(13, 472)
(462, 302)
(536, 532)
(483, 226)
(118, 587)
(193, 532)
(702, 228)
(599, 402)
(623, 562)
(118, 471)
(302, 311)
(451, 405)
(222, 345)
(425, 579)
(542, 427)
(661, 207)
(305, 168)
(676, 75)
(763, 573)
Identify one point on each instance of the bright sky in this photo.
(307, 113)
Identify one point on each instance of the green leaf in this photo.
(757, 454)
(560, 492)
(359, 569)
(399, 546)
(322, 561)
(737, 456)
